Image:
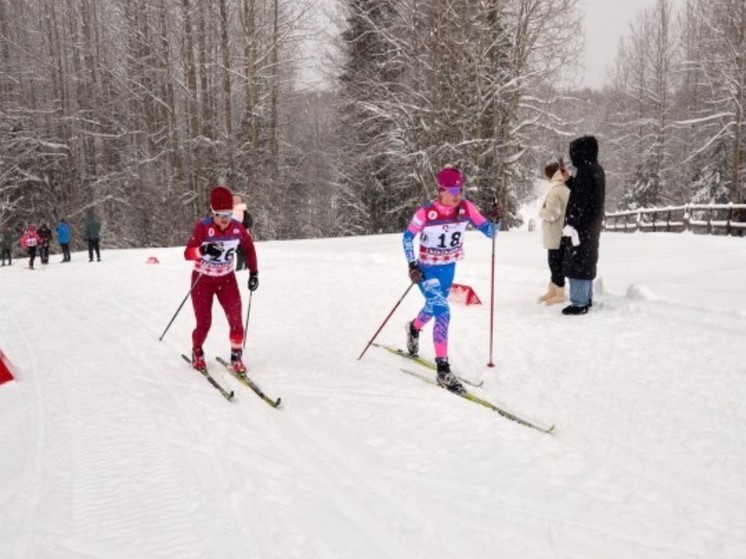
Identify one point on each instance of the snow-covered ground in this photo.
(112, 447)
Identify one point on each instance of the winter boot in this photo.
(549, 294)
(446, 378)
(236, 362)
(413, 339)
(198, 359)
(573, 310)
(558, 295)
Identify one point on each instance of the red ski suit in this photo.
(215, 276)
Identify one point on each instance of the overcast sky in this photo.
(606, 21)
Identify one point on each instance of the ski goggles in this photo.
(453, 190)
(223, 213)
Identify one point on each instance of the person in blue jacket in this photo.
(63, 235)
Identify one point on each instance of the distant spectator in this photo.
(91, 233)
(242, 215)
(63, 236)
(30, 241)
(583, 223)
(552, 214)
(6, 244)
(45, 234)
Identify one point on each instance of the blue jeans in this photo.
(581, 292)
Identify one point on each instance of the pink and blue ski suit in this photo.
(441, 229)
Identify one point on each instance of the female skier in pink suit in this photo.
(441, 224)
(213, 246)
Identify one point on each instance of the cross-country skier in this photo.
(30, 241)
(213, 246)
(441, 225)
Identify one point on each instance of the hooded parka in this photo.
(585, 209)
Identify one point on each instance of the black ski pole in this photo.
(182, 304)
(246, 326)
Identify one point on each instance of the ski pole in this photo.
(182, 304)
(246, 327)
(492, 289)
(385, 321)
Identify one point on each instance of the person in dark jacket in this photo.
(45, 234)
(6, 245)
(91, 234)
(242, 215)
(583, 222)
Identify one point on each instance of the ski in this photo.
(205, 373)
(482, 402)
(248, 382)
(424, 362)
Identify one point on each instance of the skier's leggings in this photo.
(226, 289)
(31, 251)
(435, 287)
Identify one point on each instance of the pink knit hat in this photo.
(450, 177)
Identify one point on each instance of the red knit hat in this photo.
(449, 177)
(221, 199)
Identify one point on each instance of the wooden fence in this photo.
(711, 219)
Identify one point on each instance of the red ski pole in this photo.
(492, 290)
(385, 321)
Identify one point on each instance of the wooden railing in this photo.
(711, 219)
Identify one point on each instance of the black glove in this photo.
(495, 212)
(253, 281)
(212, 249)
(415, 274)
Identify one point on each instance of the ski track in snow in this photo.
(119, 450)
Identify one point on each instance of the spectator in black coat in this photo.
(583, 223)
(45, 233)
(91, 234)
(241, 214)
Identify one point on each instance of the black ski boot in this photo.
(413, 339)
(446, 378)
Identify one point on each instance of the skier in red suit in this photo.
(213, 247)
(30, 241)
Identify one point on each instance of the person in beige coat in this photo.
(552, 214)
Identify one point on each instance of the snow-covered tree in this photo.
(457, 82)
(641, 115)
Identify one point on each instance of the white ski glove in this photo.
(570, 231)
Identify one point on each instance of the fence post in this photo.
(686, 217)
(730, 218)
